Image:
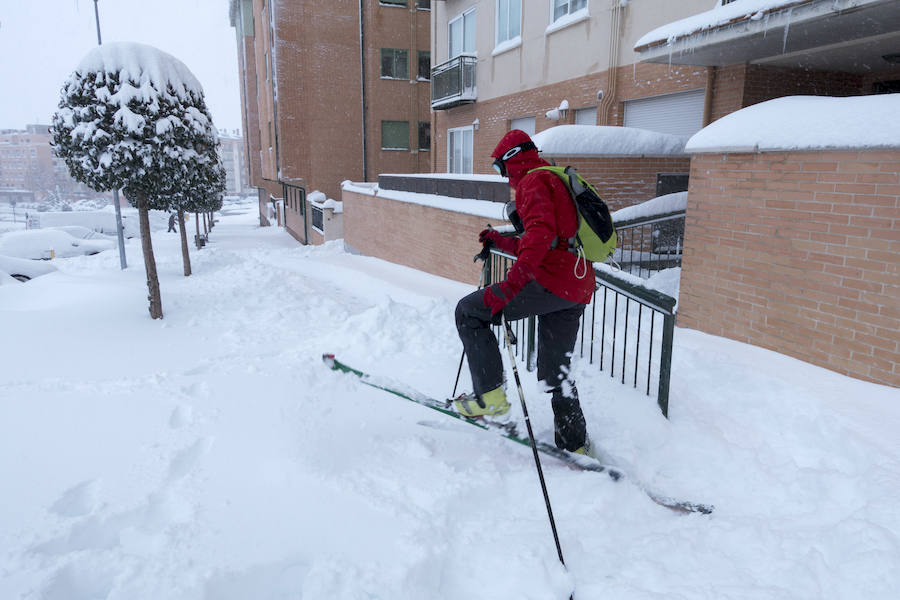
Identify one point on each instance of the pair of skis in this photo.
(508, 431)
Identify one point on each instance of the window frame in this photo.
(396, 52)
(394, 3)
(419, 55)
(509, 40)
(463, 16)
(394, 148)
(422, 148)
(451, 134)
(569, 10)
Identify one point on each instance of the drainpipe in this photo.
(362, 83)
(614, 35)
(274, 45)
(707, 101)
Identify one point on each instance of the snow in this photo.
(38, 244)
(212, 455)
(661, 205)
(718, 16)
(143, 65)
(603, 140)
(468, 206)
(318, 199)
(805, 123)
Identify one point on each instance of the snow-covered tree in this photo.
(206, 179)
(134, 117)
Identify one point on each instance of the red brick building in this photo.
(331, 90)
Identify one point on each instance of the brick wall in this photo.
(424, 238)
(624, 181)
(798, 253)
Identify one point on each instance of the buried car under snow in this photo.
(24, 269)
(49, 243)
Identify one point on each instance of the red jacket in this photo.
(547, 212)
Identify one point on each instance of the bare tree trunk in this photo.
(205, 228)
(197, 223)
(149, 261)
(185, 255)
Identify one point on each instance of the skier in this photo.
(543, 282)
(172, 223)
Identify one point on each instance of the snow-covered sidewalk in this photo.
(211, 455)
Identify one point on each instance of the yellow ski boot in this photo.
(490, 404)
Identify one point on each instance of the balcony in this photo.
(453, 83)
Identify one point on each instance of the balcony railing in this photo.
(453, 83)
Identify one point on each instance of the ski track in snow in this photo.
(211, 456)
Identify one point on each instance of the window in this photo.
(424, 135)
(586, 116)
(462, 34)
(509, 20)
(395, 135)
(394, 63)
(460, 150)
(318, 219)
(393, 2)
(424, 64)
(423, 4)
(526, 124)
(561, 8)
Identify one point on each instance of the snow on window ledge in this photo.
(571, 19)
(508, 45)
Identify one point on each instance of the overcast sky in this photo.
(42, 41)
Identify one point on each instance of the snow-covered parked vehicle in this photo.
(24, 269)
(49, 243)
(82, 233)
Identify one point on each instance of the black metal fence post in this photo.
(665, 364)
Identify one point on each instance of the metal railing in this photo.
(649, 245)
(627, 330)
(453, 83)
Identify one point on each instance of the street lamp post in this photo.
(119, 227)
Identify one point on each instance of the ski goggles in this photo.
(500, 163)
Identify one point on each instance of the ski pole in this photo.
(537, 461)
(483, 255)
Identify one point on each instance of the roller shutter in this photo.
(678, 114)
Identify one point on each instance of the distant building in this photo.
(231, 150)
(27, 164)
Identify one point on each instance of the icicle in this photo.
(765, 25)
(787, 28)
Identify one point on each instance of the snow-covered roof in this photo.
(657, 207)
(468, 206)
(319, 200)
(600, 140)
(141, 64)
(805, 123)
(739, 10)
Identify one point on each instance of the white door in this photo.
(678, 114)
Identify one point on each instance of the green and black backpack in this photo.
(596, 238)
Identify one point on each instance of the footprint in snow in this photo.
(181, 417)
(79, 500)
(186, 461)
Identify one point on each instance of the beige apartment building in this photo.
(232, 151)
(331, 90)
(29, 170)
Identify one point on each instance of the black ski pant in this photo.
(557, 331)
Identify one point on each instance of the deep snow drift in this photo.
(211, 455)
